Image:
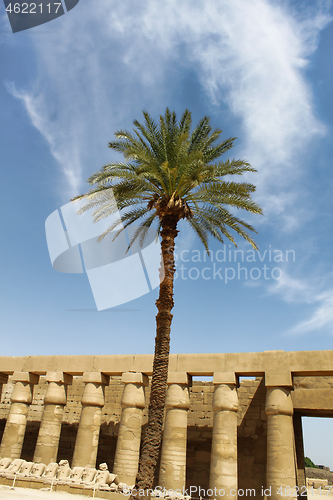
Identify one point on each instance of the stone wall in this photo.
(252, 436)
(251, 427)
(274, 390)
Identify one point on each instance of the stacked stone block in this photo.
(252, 434)
(251, 422)
(223, 433)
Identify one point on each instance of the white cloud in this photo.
(322, 317)
(63, 149)
(102, 66)
(250, 56)
(292, 289)
(310, 292)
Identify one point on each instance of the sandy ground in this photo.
(28, 494)
(6, 493)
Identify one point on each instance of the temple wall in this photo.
(251, 424)
(273, 390)
(251, 420)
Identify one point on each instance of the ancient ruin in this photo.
(237, 431)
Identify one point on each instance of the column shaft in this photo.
(281, 467)
(13, 436)
(86, 445)
(46, 450)
(223, 465)
(129, 435)
(173, 455)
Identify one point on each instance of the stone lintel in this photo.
(244, 364)
(59, 377)
(278, 379)
(3, 378)
(134, 378)
(224, 378)
(96, 378)
(181, 378)
(25, 377)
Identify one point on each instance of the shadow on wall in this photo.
(2, 427)
(30, 441)
(106, 445)
(67, 441)
(252, 437)
(199, 445)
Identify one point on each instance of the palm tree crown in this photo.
(170, 173)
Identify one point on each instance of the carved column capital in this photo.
(56, 388)
(133, 395)
(22, 392)
(177, 395)
(278, 395)
(93, 393)
(225, 392)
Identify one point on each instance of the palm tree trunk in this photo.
(153, 435)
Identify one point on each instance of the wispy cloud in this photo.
(250, 56)
(63, 148)
(321, 318)
(311, 292)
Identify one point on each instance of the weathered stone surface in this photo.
(86, 444)
(173, 454)
(97, 401)
(254, 363)
(21, 398)
(129, 436)
(223, 464)
(281, 477)
(46, 450)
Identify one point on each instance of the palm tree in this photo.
(170, 173)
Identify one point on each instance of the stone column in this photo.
(223, 463)
(129, 436)
(86, 445)
(299, 450)
(46, 450)
(13, 436)
(173, 455)
(281, 467)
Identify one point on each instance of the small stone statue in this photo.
(63, 470)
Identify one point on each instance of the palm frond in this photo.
(172, 171)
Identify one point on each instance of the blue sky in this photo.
(262, 71)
